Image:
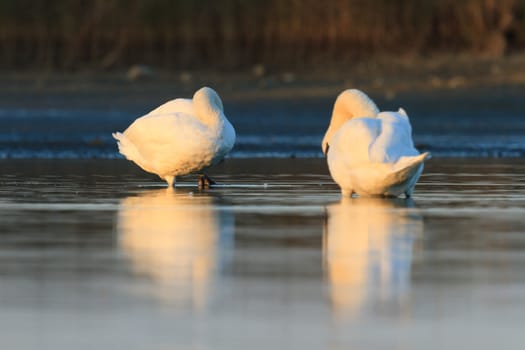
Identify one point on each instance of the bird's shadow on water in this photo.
(181, 239)
(177, 239)
(368, 247)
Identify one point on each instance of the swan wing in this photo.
(352, 141)
(178, 105)
(171, 143)
(349, 149)
(394, 140)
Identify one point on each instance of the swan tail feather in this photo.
(128, 150)
(406, 168)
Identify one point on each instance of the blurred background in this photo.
(72, 72)
(233, 34)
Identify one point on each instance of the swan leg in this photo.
(347, 193)
(205, 181)
(170, 180)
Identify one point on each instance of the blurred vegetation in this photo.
(70, 34)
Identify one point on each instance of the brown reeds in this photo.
(70, 34)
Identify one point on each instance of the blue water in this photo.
(482, 124)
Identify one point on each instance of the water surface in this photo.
(474, 122)
(98, 254)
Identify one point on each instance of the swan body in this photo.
(371, 153)
(180, 137)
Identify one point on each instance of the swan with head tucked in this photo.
(180, 137)
(371, 153)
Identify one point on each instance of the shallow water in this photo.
(454, 123)
(97, 254)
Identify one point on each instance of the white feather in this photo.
(180, 137)
(374, 154)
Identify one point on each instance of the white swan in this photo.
(180, 137)
(371, 153)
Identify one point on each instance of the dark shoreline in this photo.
(386, 78)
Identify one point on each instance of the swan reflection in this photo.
(368, 245)
(175, 239)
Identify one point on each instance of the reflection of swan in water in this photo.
(174, 238)
(368, 246)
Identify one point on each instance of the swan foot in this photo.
(205, 181)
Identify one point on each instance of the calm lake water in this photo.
(474, 122)
(95, 254)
